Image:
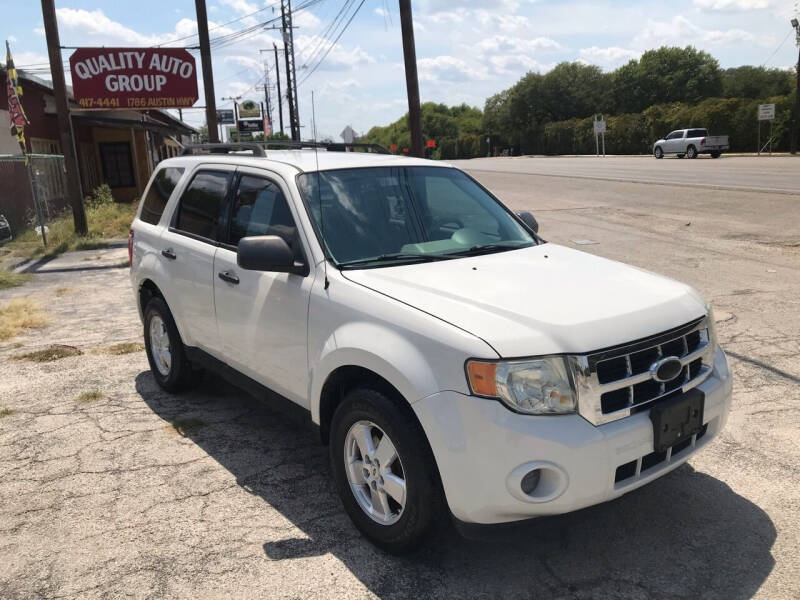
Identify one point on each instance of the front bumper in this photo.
(483, 450)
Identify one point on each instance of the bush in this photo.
(101, 196)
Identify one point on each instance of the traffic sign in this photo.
(599, 126)
(766, 112)
(430, 144)
(393, 147)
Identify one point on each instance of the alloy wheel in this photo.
(159, 345)
(375, 472)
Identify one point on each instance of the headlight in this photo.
(540, 386)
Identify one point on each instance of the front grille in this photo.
(615, 382)
(639, 467)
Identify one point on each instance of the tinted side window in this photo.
(157, 196)
(260, 208)
(201, 203)
(675, 135)
(695, 133)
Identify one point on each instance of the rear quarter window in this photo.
(696, 133)
(200, 208)
(158, 194)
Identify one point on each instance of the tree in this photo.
(756, 82)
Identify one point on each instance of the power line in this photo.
(311, 72)
(778, 48)
(322, 38)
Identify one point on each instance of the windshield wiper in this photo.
(486, 248)
(394, 257)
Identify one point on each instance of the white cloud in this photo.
(94, 27)
(501, 43)
(449, 68)
(241, 7)
(309, 52)
(680, 31)
(608, 58)
(731, 4)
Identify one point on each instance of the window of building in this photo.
(115, 157)
(201, 204)
(260, 208)
(157, 196)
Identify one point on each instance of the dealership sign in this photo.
(133, 78)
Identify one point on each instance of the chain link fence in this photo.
(21, 199)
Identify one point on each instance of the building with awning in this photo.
(119, 147)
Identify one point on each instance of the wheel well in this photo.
(342, 380)
(148, 290)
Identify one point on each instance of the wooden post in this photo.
(64, 121)
(208, 74)
(412, 81)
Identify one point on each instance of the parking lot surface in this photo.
(140, 493)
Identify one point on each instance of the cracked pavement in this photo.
(210, 494)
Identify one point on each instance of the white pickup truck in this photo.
(453, 361)
(690, 143)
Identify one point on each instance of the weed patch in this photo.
(89, 397)
(18, 315)
(125, 348)
(187, 427)
(51, 354)
(6, 412)
(10, 280)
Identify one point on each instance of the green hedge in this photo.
(635, 133)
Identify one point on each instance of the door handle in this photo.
(229, 277)
(169, 253)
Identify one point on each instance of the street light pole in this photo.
(412, 82)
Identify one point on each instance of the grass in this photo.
(10, 280)
(62, 291)
(125, 348)
(105, 221)
(19, 315)
(51, 354)
(187, 427)
(6, 412)
(89, 397)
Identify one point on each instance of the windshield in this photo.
(379, 215)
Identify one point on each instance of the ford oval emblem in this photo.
(666, 369)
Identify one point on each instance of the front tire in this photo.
(658, 152)
(691, 152)
(384, 471)
(165, 351)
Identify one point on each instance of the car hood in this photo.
(544, 299)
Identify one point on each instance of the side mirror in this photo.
(268, 253)
(529, 220)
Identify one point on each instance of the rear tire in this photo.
(716, 154)
(691, 152)
(165, 351)
(395, 504)
(658, 152)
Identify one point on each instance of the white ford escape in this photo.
(449, 357)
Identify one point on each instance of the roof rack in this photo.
(259, 148)
(228, 148)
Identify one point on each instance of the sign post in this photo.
(599, 126)
(766, 112)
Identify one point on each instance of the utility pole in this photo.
(266, 90)
(796, 117)
(64, 120)
(291, 77)
(278, 79)
(208, 75)
(412, 82)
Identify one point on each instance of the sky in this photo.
(466, 51)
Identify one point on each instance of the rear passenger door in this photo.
(262, 316)
(187, 254)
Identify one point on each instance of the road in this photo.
(209, 494)
(779, 174)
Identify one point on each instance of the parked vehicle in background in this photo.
(5, 230)
(452, 359)
(690, 143)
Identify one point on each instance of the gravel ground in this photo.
(209, 494)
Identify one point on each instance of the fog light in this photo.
(530, 481)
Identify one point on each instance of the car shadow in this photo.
(686, 534)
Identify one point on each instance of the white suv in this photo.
(449, 357)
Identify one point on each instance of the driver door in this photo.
(262, 317)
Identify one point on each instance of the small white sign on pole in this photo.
(600, 126)
(766, 112)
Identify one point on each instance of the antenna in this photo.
(319, 190)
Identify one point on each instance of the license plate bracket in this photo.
(677, 419)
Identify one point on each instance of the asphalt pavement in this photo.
(139, 493)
